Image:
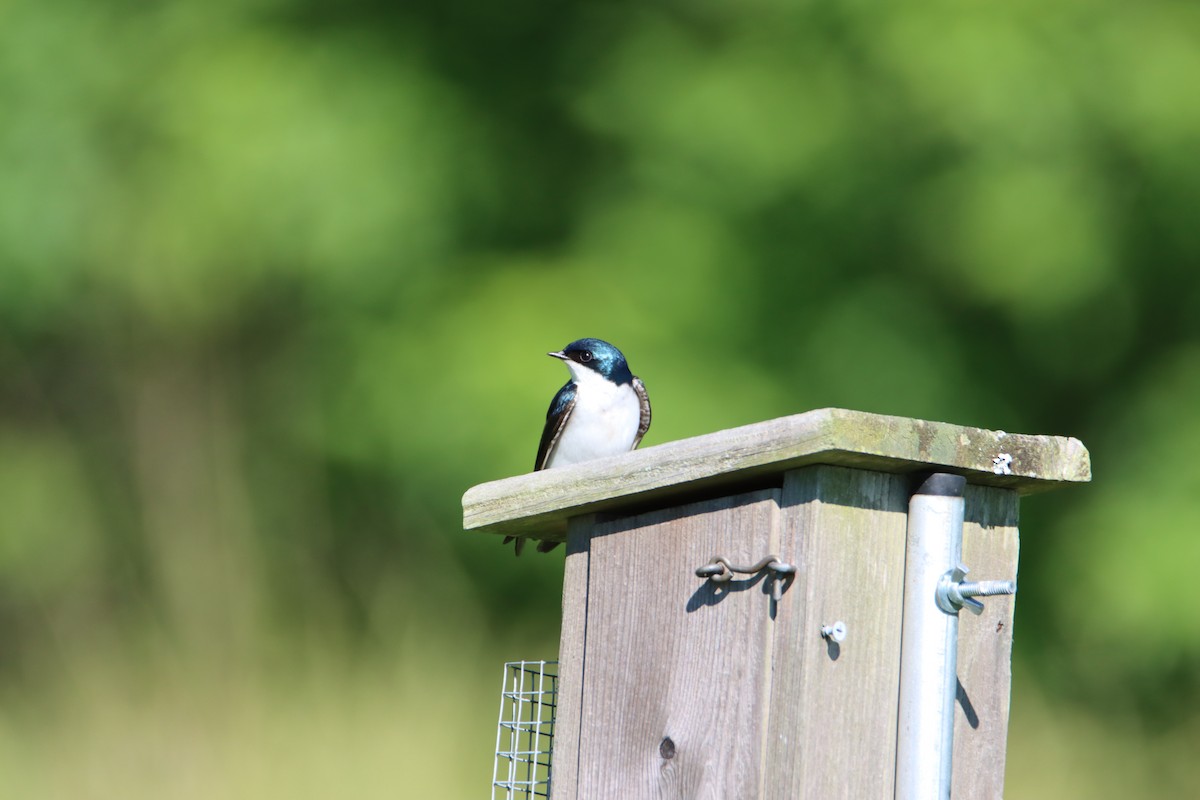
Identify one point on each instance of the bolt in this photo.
(954, 594)
(986, 588)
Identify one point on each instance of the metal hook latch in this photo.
(719, 570)
(954, 594)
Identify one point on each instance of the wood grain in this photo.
(990, 548)
(832, 732)
(670, 656)
(540, 503)
(672, 687)
(565, 758)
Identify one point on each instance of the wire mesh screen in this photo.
(528, 700)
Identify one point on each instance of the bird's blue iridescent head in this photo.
(599, 356)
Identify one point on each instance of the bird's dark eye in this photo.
(585, 356)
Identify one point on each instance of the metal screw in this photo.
(954, 594)
(835, 632)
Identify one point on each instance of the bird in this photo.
(601, 411)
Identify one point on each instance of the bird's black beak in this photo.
(559, 354)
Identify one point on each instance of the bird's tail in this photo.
(519, 544)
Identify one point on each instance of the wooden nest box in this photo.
(680, 678)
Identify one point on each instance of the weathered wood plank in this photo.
(540, 503)
(565, 759)
(673, 703)
(832, 729)
(990, 545)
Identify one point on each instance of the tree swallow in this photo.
(602, 411)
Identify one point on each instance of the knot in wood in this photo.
(666, 748)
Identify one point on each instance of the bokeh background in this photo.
(277, 278)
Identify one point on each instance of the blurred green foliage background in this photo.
(276, 278)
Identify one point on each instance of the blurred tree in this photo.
(275, 278)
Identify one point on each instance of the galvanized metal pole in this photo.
(929, 642)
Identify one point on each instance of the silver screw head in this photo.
(835, 632)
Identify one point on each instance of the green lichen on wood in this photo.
(540, 503)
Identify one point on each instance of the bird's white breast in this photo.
(604, 421)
